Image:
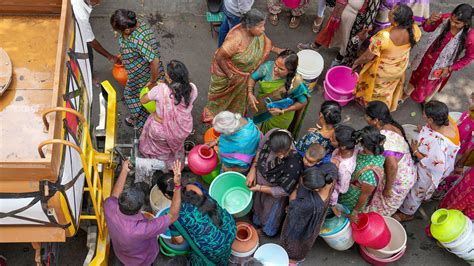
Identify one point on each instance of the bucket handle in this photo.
(164, 251)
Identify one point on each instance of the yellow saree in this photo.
(382, 79)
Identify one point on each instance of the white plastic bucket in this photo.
(310, 66)
(465, 240)
(467, 254)
(341, 240)
(271, 255)
(158, 201)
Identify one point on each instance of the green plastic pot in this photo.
(169, 252)
(230, 191)
(212, 175)
(447, 225)
(151, 105)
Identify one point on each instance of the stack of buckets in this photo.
(340, 84)
(310, 66)
(455, 232)
(381, 240)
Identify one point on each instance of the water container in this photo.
(447, 225)
(230, 191)
(310, 66)
(202, 160)
(397, 242)
(340, 84)
(271, 255)
(371, 231)
(151, 105)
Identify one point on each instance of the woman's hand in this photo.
(256, 188)
(276, 111)
(414, 145)
(363, 34)
(177, 240)
(434, 17)
(336, 162)
(336, 211)
(252, 101)
(354, 68)
(114, 59)
(213, 143)
(151, 84)
(251, 176)
(177, 173)
(354, 217)
(387, 192)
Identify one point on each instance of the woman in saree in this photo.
(167, 128)
(274, 173)
(400, 170)
(208, 228)
(278, 81)
(323, 134)
(439, 52)
(347, 27)
(245, 48)
(368, 171)
(238, 141)
(141, 58)
(306, 211)
(436, 149)
(384, 63)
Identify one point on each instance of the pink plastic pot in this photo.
(342, 100)
(202, 160)
(370, 258)
(340, 82)
(371, 231)
(292, 3)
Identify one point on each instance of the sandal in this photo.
(401, 217)
(317, 26)
(129, 121)
(274, 19)
(294, 22)
(306, 46)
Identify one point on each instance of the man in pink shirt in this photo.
(134, 237)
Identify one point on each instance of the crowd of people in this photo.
(258, 105)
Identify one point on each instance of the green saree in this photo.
(230, 94)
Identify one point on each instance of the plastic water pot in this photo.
(340, 81)
(151, 105)
(157, 200)
(120, 73)
(271, 255)
(292, 3)
(202, 160)
(397, 242)
(370, 258)
(464, 241)
(230, 191)
(341, 240)
(212, 175)
(447, 225)
(371, 231)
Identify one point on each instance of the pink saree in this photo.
(165, 140)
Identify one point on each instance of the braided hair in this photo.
(403, 16)
(462, 12)
(371, 139)
(291, 64)
(379, 110)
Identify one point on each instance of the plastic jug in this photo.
(371, 231)
(119, 73)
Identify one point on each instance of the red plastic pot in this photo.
(292, 3)
(371, 231)
(202, 160)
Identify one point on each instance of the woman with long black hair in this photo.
(166, 129)
(439, 52)
(208, 228)
(384, 63)
(400, 170)
(278, 81)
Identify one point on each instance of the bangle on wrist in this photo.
(177, 187)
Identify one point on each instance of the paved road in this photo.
(186, 37)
